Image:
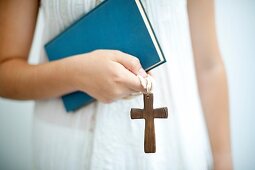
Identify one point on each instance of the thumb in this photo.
(131, 63)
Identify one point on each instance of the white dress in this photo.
(102, 136)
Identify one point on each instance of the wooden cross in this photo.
(148, 113)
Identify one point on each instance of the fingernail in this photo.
(142, 73)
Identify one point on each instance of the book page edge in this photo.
(152, 35)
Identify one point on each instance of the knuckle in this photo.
(97, 52)
(113, 54)
(117, 76)
(117, 52)
(135, 62)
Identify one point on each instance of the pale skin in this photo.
(115, 73)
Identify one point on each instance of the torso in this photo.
(102, 136)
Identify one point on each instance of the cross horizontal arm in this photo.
(160, 112)
(136, 113)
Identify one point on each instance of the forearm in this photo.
(211, 79)
(214, 97)
(19, 80)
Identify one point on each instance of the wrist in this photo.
(75, 72)
(68, 74)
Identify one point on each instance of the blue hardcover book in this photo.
(114, 24)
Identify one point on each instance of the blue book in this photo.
(114, 24)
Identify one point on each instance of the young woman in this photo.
(101, 135)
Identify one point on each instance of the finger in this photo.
(150, 73)
(132, 81)
(130, 62)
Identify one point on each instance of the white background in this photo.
(236, 33)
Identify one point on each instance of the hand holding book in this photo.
(107, 75)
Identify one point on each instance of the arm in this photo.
(211, 79)
(18, 79)
(114, 74)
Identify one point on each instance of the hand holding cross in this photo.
(148, 113)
